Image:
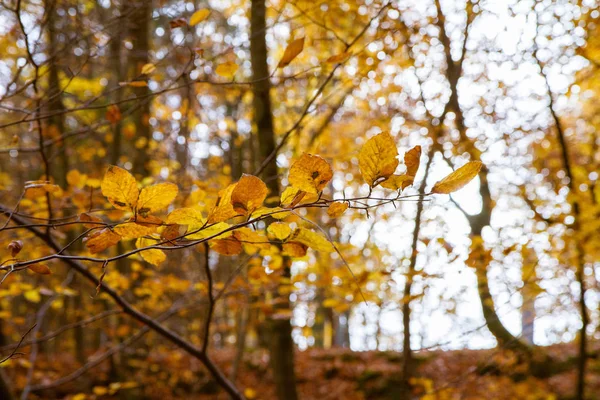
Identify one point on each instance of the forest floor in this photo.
(331, 374)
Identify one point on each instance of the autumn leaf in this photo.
(398, 182)
(138, 227)
(147, 69)
(120, 188)
(251, 240)
(279, 231)
(113, 114)
(101, 240)
(249, 194)
(32, 296)
(310, 173)
(377, 158)
(412, 159)
(156, 197)
(39, 268)
(224, 209)
(152, 256)
(199, 16)
(339, 58)
(189, 217)
(172, 232)
(227, 69)
(312, 239)
(337, 209)
(15, 247)
(90, 221)
(294, 249)
(230, 246)
(458, 179)
(291, 51)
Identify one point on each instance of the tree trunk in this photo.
(139, 13)
(282, 345)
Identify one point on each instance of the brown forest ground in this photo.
(322, 374)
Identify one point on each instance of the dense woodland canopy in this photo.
(299, 199)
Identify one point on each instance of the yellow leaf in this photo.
(228, 247)
(189, 217)
(224, 209)
(120, 188)
(76, 178)
(250, 393)
(148, 69)
(90, 221)
(398, 182)
(458, 178)
(32, 295)
(102, 240)
(152, 256)
(310, 173)
(377, 158)
(337, 209)
(330, 303)
(210, 231)
(291, 51)
(294, 249)
(227, 70)
(248, 195)
(134, 83)
(138, 227)
(251, 240)
(291, 196)
(275, 212)
(199, 16)
(100, 390)
(338, 58)
(412, 159)
(41, 269)
(311, 239)
(279, 231)
(156, 197)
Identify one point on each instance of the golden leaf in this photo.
(32, 295)
(279, 231)
(292, 50)
(199, 16)
(172, 232)
(311, 239)
(148, 69)
(152, 256)
(275, 212)
(251, 240)
(458, 178)
(377, 158)
(134, 84)
(210, 231)
(310, 173)
(224, 209)
(191, 218)
(138, 227)
(337, 209)
(398, 182)
(412, 159)
(294, 249)
(101, 240)
(41, 269)
(249, 194)
(156, 197)
(339, 58)
(120, 188)
(230, 246)
(90, 221)
(227, 70)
